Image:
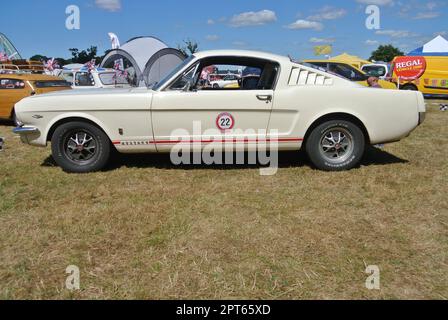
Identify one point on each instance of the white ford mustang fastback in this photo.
(278, 101)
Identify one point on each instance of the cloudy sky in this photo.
(288, 27)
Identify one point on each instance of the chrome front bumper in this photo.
(25, 130)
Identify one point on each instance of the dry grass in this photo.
(147, 229)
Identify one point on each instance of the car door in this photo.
(11, 92)
(205, 114)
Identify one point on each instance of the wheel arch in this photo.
(337, 116)
(73, 118)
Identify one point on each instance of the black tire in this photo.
(329, 151)
(409, 87)
(215, 86)
(77, 153)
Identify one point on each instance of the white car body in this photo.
(97, 78)
(228, 79)
(152, 120)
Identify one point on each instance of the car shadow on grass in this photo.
(286, 159)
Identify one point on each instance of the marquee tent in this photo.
(147, 60)
(353, 60)
(436, 47)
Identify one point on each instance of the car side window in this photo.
(347, 72)
(235, 73)
(68, 76)
(11, 84)
(185, 79)
(84, 79)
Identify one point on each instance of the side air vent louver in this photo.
(302, 77)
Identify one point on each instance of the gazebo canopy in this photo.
(353, 60)
(436, 47)
(147, 59)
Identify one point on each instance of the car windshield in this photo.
(157, 85)
(375, 71)
(110, 78)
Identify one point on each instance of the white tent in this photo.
(436, 47)
(147, 59)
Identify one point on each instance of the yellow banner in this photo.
(321, 50)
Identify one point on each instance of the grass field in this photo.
(147, 229)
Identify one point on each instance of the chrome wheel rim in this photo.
(80, 146)
(336, 145)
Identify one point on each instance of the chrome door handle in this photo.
(266, 97)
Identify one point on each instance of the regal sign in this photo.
(410, 68)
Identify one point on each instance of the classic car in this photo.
(15, 86)
(229, 79)
(349, 72)
(82, 78)
(296, 106)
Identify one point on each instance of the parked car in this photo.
(427, 74)
(15, 86)
(379, 70)
(297, 106)
(349, 72)
(227, 80)
(81, 78)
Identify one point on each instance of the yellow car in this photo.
(16, 86)
(349, 72)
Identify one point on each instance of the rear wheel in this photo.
(80, 147)
(335, 145)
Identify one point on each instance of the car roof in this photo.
(29, 76)
(242, 53)
(332, 61)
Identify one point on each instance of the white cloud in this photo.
(210, 21)
(212, 37)
(396, 33)
(377, 2)
(109, 5)
(371, 43)
(427, 15)
(253, 18)
(328, 13)
(305, 24)
(322, 40)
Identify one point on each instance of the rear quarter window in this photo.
(11, 84)
(51, 84)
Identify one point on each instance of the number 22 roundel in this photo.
(225, 121)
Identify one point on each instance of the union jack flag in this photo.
(3, 57)
(90, 65)
(51, 65)
(118, 71)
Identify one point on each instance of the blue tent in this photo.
(436, 47)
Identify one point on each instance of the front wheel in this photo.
(335, 145)
(80, 147)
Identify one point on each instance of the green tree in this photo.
(84, 56)
(386, 53)
(189, 47)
